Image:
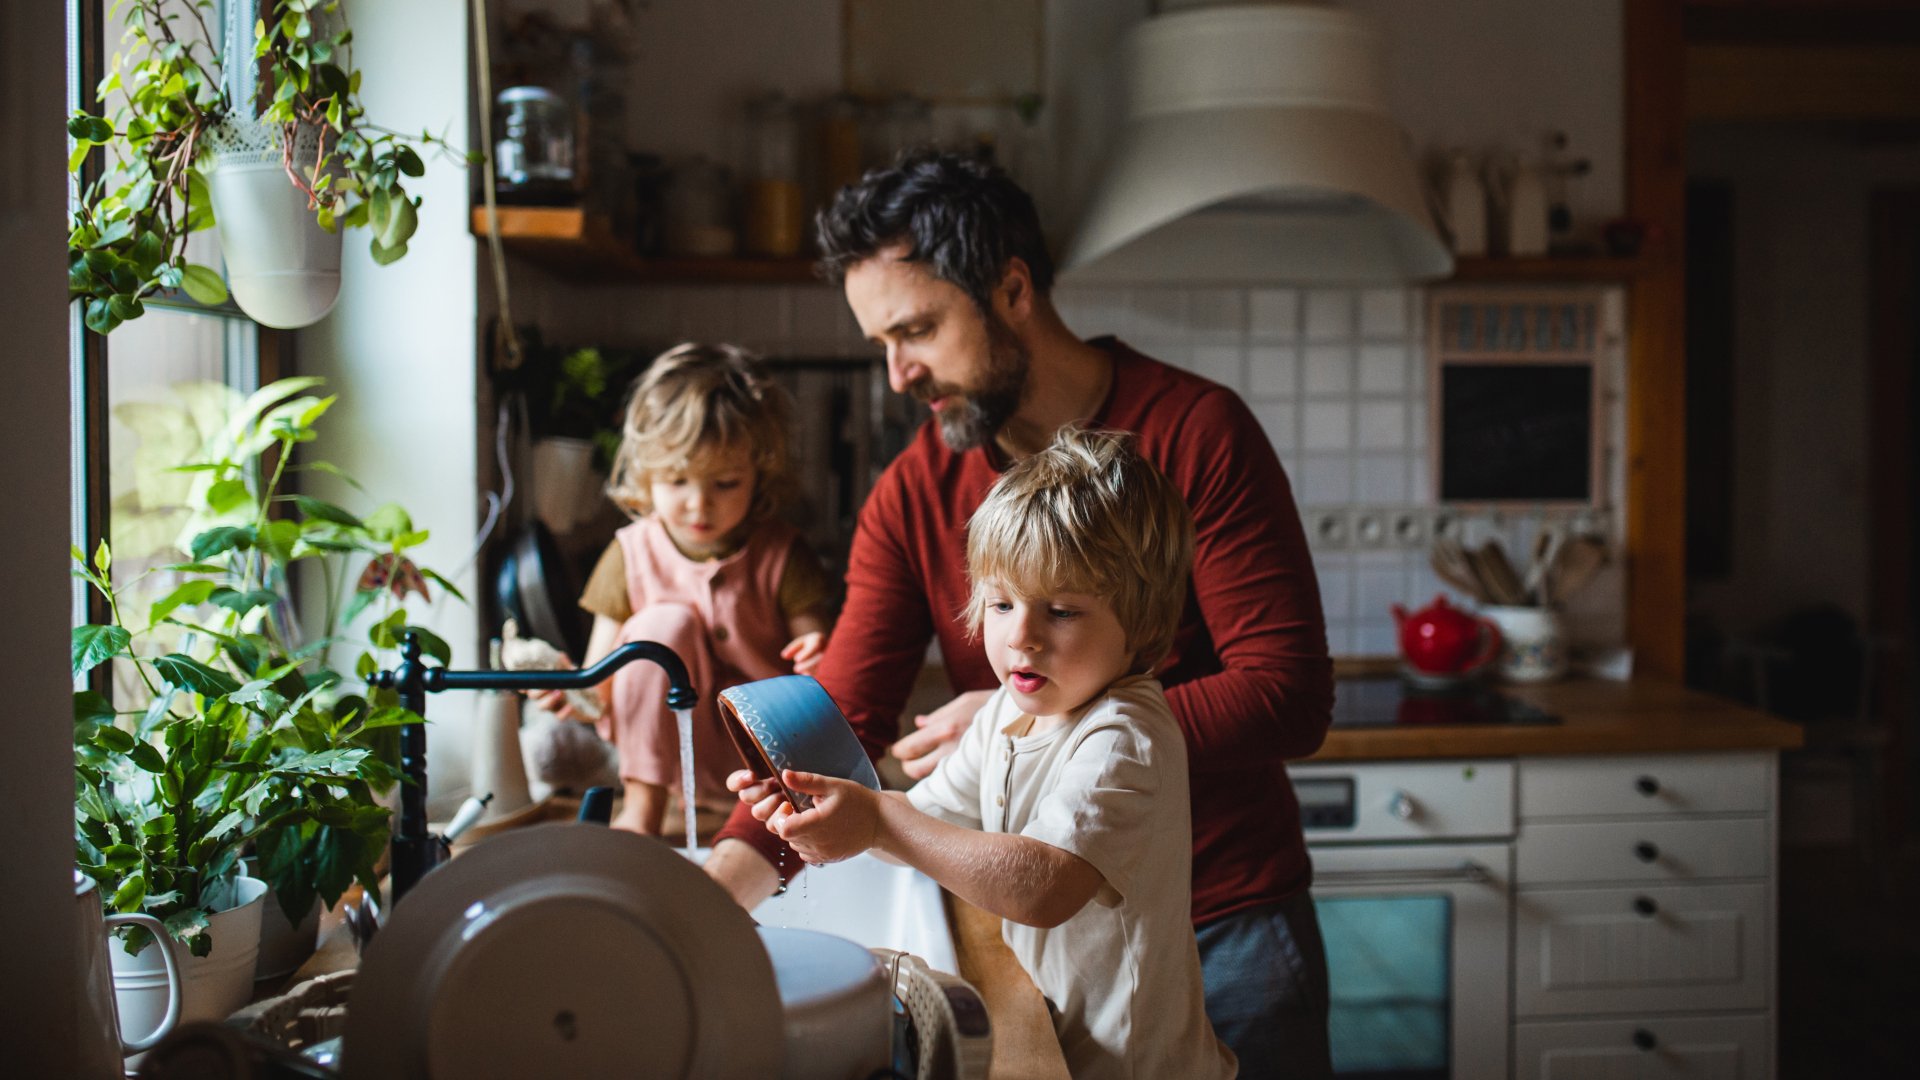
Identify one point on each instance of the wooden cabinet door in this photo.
(1641, 950)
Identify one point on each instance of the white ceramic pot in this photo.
(283, 268)
(284, 946)
(1533, 645)
(567, 489)
(212, 986)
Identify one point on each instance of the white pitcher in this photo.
(102, 1044)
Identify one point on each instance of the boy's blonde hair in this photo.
(695, 401)
(1087, 515)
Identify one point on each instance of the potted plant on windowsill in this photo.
(268, 140)
(235, 733)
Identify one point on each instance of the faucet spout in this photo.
(414, 851)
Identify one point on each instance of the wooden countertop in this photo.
(1639, 716)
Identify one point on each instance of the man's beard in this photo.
(972, 417)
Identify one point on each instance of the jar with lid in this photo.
(699, 221)
(533, 157)
(774, 213)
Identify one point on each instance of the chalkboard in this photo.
(1516, 432)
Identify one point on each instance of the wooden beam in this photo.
(1803, 82)
(1656, 524)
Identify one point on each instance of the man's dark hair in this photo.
(961, 217)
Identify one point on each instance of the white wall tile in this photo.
(1382, 425)
(1273, 371)
(1383, 369)
(1419, 483)
(1156, 315)
(1336, 585)
(1383, 313)
(1375, 638)
(1218, 316)
(1327, 425)
(1326, 480)
(1273, 314)
(1329, 369)
(1417, 424)
(1330, 315)
(1380, 480)
(1224, 364)
(1281, 421)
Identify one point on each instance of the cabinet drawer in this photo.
(1649, 1048)
(1645, 784)
(1656, 850)
(1640, 950)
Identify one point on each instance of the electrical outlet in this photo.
(1409, 528)
(1329, 529)
(1444, 525)
(1370, 528)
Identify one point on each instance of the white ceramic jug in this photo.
(1465, 206)
(102, 1046)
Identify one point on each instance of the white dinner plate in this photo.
(565, 950)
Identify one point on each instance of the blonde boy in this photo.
(1064, 809)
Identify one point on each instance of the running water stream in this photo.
(684, 719)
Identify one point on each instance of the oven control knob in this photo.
(1401, 805)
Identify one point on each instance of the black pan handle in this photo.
(596, 806)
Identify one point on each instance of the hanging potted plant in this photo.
(267, 139)
(235, 735)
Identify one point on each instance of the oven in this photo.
(1412, 867)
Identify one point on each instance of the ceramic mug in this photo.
(790, 722)
(102, 1044)
(1533, 647)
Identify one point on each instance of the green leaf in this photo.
(409, 161)
(260, 692)
(434, 576)
(226, 496)
(386, 256)
(326, 511)
(112, 739)
(189, 594)
(103, 558)
(390, 716)
(121, 856)
(146, 757)
(125, 308)
(388, 522)
(130, 893)
(189, 674)
(240, 603)
(92, 645)
(433, 644)
(278, 538)
(220, 539)
(203, 284)
(100, 318)
(90, 707)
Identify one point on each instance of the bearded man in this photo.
(942, 260)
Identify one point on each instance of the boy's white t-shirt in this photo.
(1123, 974)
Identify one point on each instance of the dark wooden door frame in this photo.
(1894, 270)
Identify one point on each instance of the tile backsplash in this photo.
(1337, 377)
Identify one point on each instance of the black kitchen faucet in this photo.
(414, 851)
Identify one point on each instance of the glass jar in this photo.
(841, 121)
(699, 222)
(774, 212)
(533, 158)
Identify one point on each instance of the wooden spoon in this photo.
(1579, 559)
(1506, 586)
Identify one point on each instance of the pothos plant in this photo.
(246, 736)
(127, 238)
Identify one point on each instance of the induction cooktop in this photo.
(1392, 701)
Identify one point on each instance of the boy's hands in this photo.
(805, 652)
(843, 822)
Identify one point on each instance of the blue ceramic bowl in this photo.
(790, 722)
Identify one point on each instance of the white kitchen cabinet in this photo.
(1644, 914)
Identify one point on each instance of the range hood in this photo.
(1258, 147)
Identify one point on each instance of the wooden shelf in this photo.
(581, 247)
(1549, 268)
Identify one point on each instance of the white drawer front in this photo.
(1406, 800)
(1649, 1048)
(1639, 950)
(1605, 786)
(1654, 850)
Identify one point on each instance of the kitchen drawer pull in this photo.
(1469, 871)
(1645, 906)
(1647, 786)
(1644, 1039)
(1646, 851)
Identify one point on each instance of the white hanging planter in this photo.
(282, 267)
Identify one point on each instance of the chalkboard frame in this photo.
(1447, 347)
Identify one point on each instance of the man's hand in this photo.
(939, 731)
(805, 652)
(843, 821)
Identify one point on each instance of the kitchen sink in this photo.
(875, 903)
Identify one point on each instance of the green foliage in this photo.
(248, 737)
(127, 238)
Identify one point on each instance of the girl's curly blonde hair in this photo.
(696, 401)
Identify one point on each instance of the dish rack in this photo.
(944, 1034)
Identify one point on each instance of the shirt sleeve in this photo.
(1270, 698)
(1102, 800)
(952, 791)
(606, 591)
(805, 586)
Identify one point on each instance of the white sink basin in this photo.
(875, 903)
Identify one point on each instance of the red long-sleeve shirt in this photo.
(1249, 678)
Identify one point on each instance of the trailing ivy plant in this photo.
(127, 237)
(247, 737)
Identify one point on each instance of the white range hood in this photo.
(1258, 148)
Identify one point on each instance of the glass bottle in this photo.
(774, 212)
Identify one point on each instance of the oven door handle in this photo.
(1471, 872)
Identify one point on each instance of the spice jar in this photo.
(698, 221)
(533, 158)
(840, 121)
(774, 213)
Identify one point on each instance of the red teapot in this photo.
(1442, 642)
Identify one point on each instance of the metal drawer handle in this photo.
(1467, 871)
(1646, 851)
(1644, 1039)
(1647, 786)
(1645, 906)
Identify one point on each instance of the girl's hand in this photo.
(805, 652)
(762, 796)
(843, 822)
